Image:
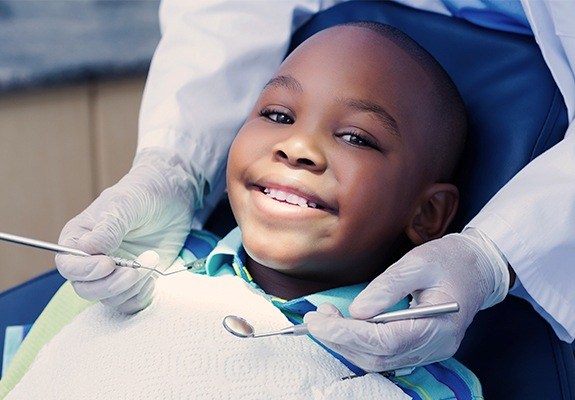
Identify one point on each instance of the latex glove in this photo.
(149, 208)
(466, 268)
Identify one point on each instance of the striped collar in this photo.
(229, 256)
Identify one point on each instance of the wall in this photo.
(59, 148)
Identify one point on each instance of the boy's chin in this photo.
(278, 261)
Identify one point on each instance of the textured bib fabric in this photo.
(178, 349)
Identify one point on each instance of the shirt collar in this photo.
(228, 258)
(227, 251)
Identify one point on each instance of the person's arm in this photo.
(213, 59)
(539, 243)
(531, 221)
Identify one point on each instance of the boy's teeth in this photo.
(290, 198)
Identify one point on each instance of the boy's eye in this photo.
(357, 140)
(276, 116)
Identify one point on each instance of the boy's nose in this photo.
(301, 151)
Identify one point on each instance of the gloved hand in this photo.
(465, 267)
(149, 208)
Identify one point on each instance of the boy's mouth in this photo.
(291, 198)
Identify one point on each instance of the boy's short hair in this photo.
(450, 125)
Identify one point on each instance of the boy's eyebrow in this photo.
(370, 107)
(291, 83)
(286, 81)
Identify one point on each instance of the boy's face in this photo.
(325, 174)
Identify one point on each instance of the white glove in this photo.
(466, 268)
(149, 208)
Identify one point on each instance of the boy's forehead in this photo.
(346, 39)
(356, 54)
(349, 44)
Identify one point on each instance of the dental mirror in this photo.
(239, 327)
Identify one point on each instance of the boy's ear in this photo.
(434, 213)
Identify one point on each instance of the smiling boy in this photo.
(347, 152)
(344, 161)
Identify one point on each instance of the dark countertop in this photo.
(52, 42)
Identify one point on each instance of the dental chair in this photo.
(516, 112)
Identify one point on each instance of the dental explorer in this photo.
(39, 244)
(120, 262)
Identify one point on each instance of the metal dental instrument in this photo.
(39, 244)
(120, 262)
(241, 328)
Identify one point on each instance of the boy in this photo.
(342, 163)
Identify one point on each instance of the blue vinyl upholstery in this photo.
(516, 112)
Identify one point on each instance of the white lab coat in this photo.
(215, 56)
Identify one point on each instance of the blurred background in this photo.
(72, 74)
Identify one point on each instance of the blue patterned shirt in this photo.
(441, 380)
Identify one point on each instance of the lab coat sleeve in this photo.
(532, 218)
(212, 61)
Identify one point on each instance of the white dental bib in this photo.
(178, 349)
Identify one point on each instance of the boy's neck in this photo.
(285, 286)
